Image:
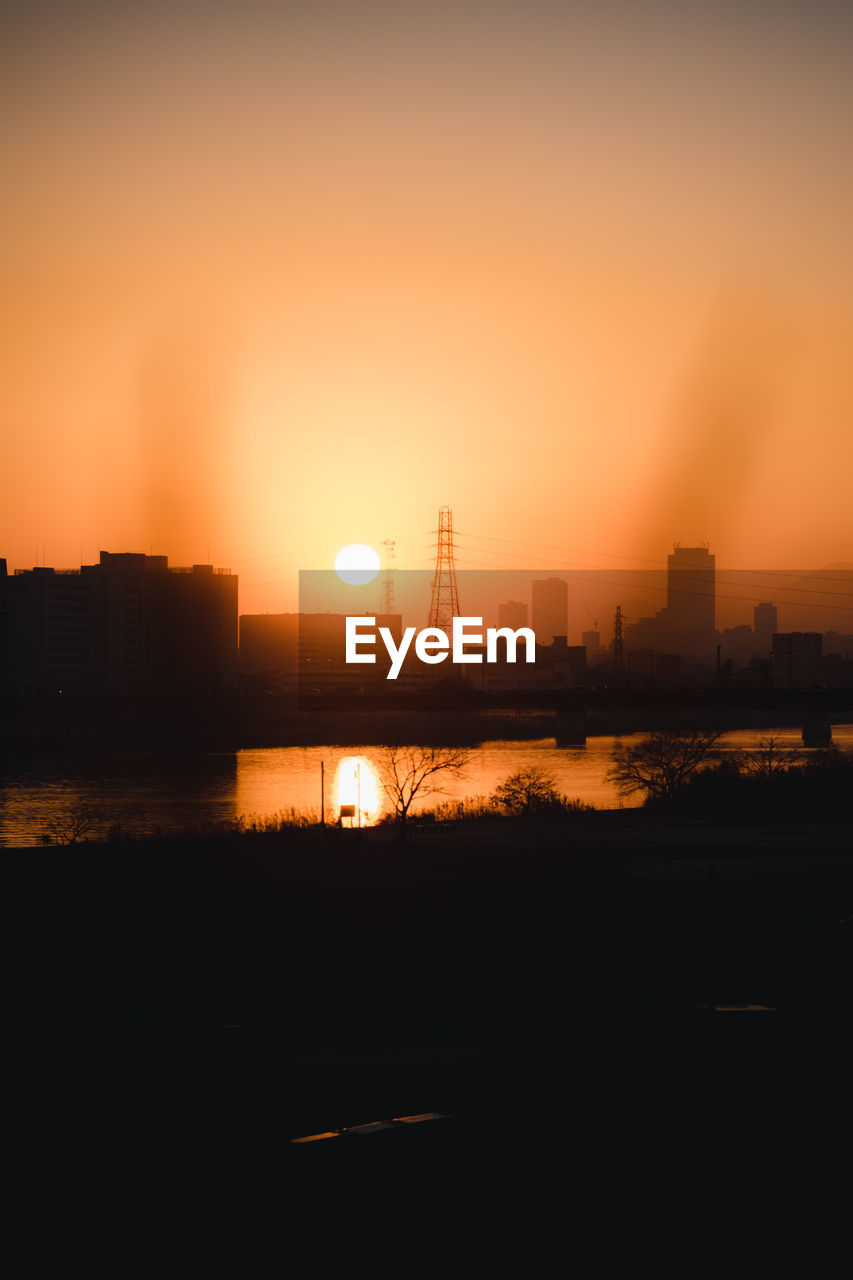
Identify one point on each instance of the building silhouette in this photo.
(549, 609)
(738, 645)
(766, 624)
(691, 591)
(596, 652)
(566, 663)
(796, 659)
(51, 633)
(4, 626)
(686, 625)
(513, 614)
(307, 651)
(130, 623)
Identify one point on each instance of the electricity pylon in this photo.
(387, 603)
(617, 637)
(444, 605)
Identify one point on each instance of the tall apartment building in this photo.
(128, 623)
(765, 624)
(50, 631)
(691, 590)
(550, 609)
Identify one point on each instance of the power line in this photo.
(589, 576)
(750, 588)
(577, 551)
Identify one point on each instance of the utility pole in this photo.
(322, 793)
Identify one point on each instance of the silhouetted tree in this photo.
(406, 773)
(526, 790)
(828, 760)
(73, 825)
(662, 763)
(769, 758)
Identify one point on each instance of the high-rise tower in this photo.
(690, 590)
(766, 623)
(549, 609)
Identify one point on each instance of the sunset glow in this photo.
(583, 273)
(357, 784)
(426, 626)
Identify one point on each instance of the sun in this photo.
(357, 564)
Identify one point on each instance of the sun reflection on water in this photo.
(357, 784)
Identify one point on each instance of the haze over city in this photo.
(426, 631)
(279, 281)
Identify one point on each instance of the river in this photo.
(150, 793)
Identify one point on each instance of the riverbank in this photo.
(182, 1010)
(44, 725)
(300, 923)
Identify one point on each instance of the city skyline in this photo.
(761, 581)
(426, 623)
(810, 599)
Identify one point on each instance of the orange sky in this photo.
(278, 278)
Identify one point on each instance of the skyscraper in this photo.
(766, 623)
(691, 587)
(550, 609)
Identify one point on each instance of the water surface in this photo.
(147, 793)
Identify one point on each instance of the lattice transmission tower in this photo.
(445, 594)
(387, 603)
(617, 637)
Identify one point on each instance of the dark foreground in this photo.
(625, 1018)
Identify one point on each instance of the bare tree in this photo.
(406, 773)
(769, 758)
(526, 790)
(661, 763)
(74, 824)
